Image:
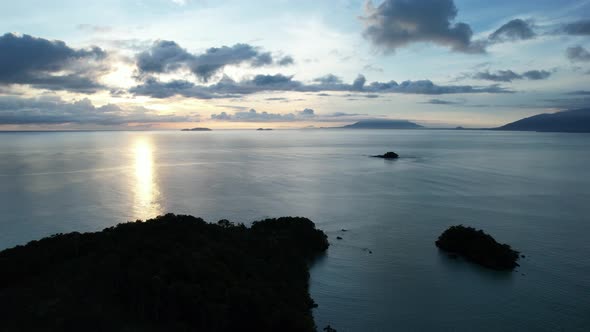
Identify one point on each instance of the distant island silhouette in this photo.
(171, 273)
(570, 121)
(382, 124)
(478, 247)
(197, 129)
(263, 129)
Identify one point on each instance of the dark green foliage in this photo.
(478, 247)
(171, 273)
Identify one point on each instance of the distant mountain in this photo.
(571, 121)
(196, 129)
(383, 124)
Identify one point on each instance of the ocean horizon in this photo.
(527, 189)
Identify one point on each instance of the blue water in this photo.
(531, 190)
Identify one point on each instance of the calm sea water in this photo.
(531, 190)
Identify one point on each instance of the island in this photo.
(387, 155)
(261, 129)
(383, 124)
(170, 273)
(197, 129)
(478, 247)
(569, 121)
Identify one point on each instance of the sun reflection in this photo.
(146, 189)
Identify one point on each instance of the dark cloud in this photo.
(579, 28)
(499, 76)
(262, 59)
(397, 23)
(428, 88)
(228, 88)
(536, 74)
(49, 64)
(509, 75)
(54, 110)
(328, 79)
(516, 29)
(306, 113)
(359, 83)
(286, 61)
(577, 53)
(167, 56)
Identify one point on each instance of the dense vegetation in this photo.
(171, 273)
(478, 247)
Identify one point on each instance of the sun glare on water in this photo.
(146, 190)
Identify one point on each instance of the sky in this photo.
(171, 64)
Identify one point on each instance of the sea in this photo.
(530, 190)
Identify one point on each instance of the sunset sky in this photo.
(156, 64)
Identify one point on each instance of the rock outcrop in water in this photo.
(171, 273)
(387, 155)
(477, 246)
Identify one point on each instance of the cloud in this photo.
(228, 88)
(440, 102)
(398, 23)
(166, 56)
(50, 64)
(343, 114)
(359, 83)
(579, 93)
(306, 113)
(516, 29)
(536, 74)
(509, 75)
(370, 67)
(328, 79)
(54, 110)
(579, 28)
(286, 61)
(253, 116)
(577, 53)
(94, 28)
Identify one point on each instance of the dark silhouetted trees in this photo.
(478, 247)
(171, 273)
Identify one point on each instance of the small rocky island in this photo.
(388, 155)
(197, 129)
(263, 129)
(478, 247)
(171, 273)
